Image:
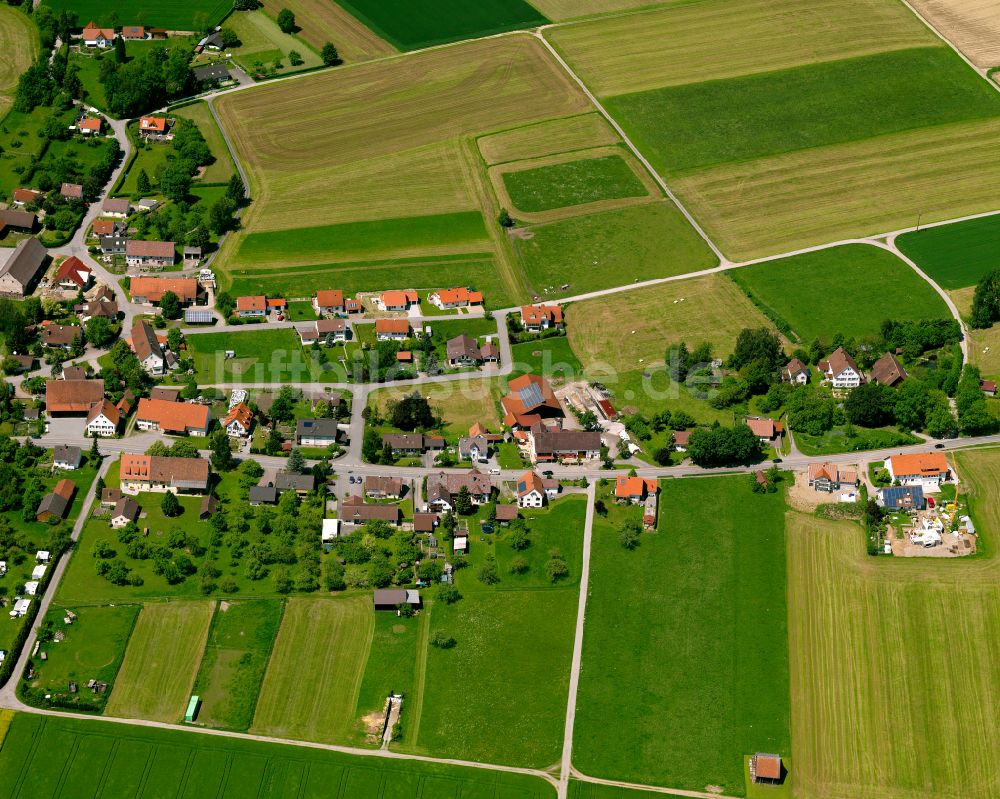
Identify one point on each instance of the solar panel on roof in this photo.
(531, 395)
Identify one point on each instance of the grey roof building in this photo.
(23, 268)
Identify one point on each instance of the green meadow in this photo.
(572, 183)
(956, 255)
(180, 15)
(738, 119)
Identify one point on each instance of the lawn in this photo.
(460, 403)
(89, 64)
(20, 45)
(236, 655)
(870, 284)
(149, 157)
(92, 648)
(957, 255)
(686, 634)
(263, 355)
(175, 15)
(161, 661)
(836, 440)
(415, 24)
(909, 672)
(262, 42)
(610, 248)
(551, 137)
(553, 358)
(222, 168)
(19, 138)
(683, 128)
(314, 676)
(322, 21)
(572, 183)
(49, 757)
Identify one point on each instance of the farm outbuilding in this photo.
(391, 598)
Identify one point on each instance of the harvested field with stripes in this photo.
(322, 21)
(20, 45)
(972, 25)
(547, 138)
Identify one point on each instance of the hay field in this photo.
(312, 681)
(632, 330)
(826, 194)
(551, 137)
(958, 255)
(161, 661)
(561, 10)
(322, 21)
(895, 671)
(713, 39)
(20, 46)
(971, 25)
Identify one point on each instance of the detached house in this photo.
(103, 420)
(249, 307)
(765, 429)
(61, 336)
(634, 490)
(795, 372)
(830, 477)
(536, 318)
(126, 510)
(239, 421)
(888, 371)
(147, 348)
(97, 37)
(149, 254)
(116, 208)
(324, 330)
(841, 370)
(176, 418)
(153, 126)
(554, 444)
(925, 469)
(474, 448)
(442, 489)
(73, 275)
(316, 432)
(150, 290)
(455, 298)
(392, 329)
(530, 491)
(463, 351)
(328, 301)
(399, 301)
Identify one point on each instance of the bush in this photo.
(442, 640)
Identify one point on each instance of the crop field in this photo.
(625, 54)
(973, 25)
(547, 138)
(322, 21)
(414, 24)
(561, 10)
(568, 183)
(957, 255)
(20, 44)
(161, 661)
(222, 168)
(634, 329)
(314, 676)
(682, 128)
(72, 758)
(871, 285)
(855, 684)
(176, 15)
(236, 655)
(261, 40)
(687, 633)
(610, 248)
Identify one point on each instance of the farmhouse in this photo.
(239, 421)
(63, 336)
(21, 221)
(392, 329)
(148, 349)
(22, 269)
(97, 37)
(249, 307)
(888, 371)
(73, 275)
(841, 370)
(442, 488)
(325, 330)
(392, 598)
(925, 469)
(316, 432)
(530, 395)
(634, 489)
(455, 298)
(530, 490)
(66, 457)
(175, 418)
(765, 429)
(554, 444)
(116, 208)
(830, 477)
(150, 290)
(896, 498)
(72, 397)
(126, 510)
(398, 301)
(795, 372)
(161, 474)
(103, 420)
(71, 191)
(328, 301)
(379, 487)
(56, 503)
(536, 318)
(147, 254)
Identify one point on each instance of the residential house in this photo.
(239, 421)
(463, 351)
(150, 254)
(249, 307)
(75, 372)
(168, 393)
(66, 457)
(23, 197)
(106, 227)
(392, 329)
(554, 444)
(175, 418)
(925, 469)
(113, 244)
(455, 298)
(681, 440)
(506, 514)
(536, 318)
(392, 598)
(634, 490)
(379, 487)
(27, 363)
(767, 430)
(97, 37)
(530, 491)
(119, 208)
(213, 73)
(150, 290)
(301, 484)
(110, 496)
(73, 275)
(90, 126)
(425, 522)
(795, 372)
(99, 306)
(474, 448)
(263, 495)
(148, 349)
(56, 503)
(399, 301)
(841, 370)
(161, 474)
(154, 126)
(71, 191)
(326, 302)
(103, 420)
(443, 488)
(126, 510)
(530, 396)
(353, 305)
(830, 477)
(888, 371)
(21, 271)
(20, 221)
(316, 432)
(133, 33)
(72, 397)
(61, 336)
(896, 498)
(355, 510)
(412, 443)
(325, 330)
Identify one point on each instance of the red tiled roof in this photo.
(330, 298)
(176, 417)
(104, 227)
(921, 463)
(258, 303)
(762, 428)
(628, 487)
(392, 299)
(90, 123)
(153, 288)
(528, 482)
(157, 124)
(26, 195)
(73, 396)
(109, 410)
(536, 314)
(392, 326)
(71, 269)
(239, 413)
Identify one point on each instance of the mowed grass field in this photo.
(222, 168)
(685, 657)
(892, 661)
(261, 40)
(589, 180)
(957, 255)
(322, 21)
(972, 25)
(460, 403)
(49, 757)
(547, 138)
(560, 10)
(313, 678)
(161, 661)
(870, 285)
(177, 15)
(20, 46)
(414, 24)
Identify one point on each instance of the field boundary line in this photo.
(635, 786)
(983, 73)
